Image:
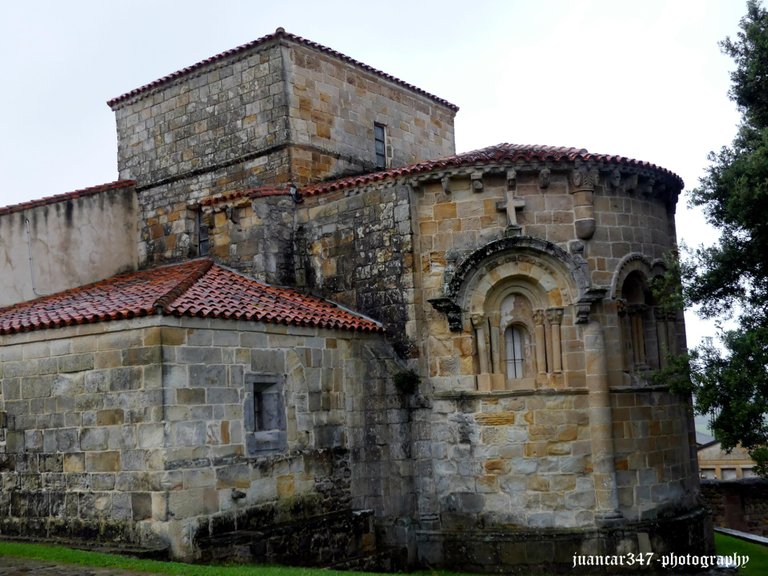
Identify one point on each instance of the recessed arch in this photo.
(546, 260)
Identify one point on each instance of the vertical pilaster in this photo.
(600, 424)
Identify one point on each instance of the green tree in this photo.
(730, 280)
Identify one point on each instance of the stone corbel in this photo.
(477, 181)
(615, 179)
(511, 179)
(445, 181)
(584, 304)
(451, 310)
(583, 190)
(545, 177)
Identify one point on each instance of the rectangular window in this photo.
(264, 415)
(380, 139)
(203, 242)
(3, 427)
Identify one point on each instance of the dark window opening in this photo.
(203, 240)
(380, 139)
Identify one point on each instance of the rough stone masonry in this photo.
(510, 285)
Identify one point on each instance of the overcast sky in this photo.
(643, 79)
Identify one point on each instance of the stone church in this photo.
(300, 328)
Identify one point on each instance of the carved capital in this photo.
(555, 315)
(584, 305)
(478, 320)
(621, 306)
(451, 310)
(538, 317)
(583, 179)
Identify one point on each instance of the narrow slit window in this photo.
(203, 241)
(380, 140)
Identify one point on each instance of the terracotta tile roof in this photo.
(67, 196)
(279, 34)
(197, 288)
(498, 154)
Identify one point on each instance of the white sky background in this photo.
(643, 79)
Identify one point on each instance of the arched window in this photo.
(641, 346)
(516, 345)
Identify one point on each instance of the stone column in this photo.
(479, 324)
(493, 328)
(540, 342)
(600, 426)
(555, 318)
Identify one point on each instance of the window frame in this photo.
(380, 141)
(265, 430)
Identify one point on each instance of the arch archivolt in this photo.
(648, 328)
(516, 304)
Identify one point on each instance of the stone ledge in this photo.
(508, 393)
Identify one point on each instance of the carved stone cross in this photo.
(511, 206)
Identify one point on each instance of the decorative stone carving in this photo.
(477, 181)
(451, 310)
(445, 181)
(584, 304)
(545, 177)
(583, 187)
(511, 179)
(615, 179)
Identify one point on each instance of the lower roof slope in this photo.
(196, 288)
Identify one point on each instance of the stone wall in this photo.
(222, 113)
(334, 133)
(85, 433)
(654, 471)
(356, 248)
(279, 112)
(547, 249)
(739, 505)
(512, 460)
(60, 243)
(139, 431)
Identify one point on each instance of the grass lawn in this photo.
(726, 545)
(99, 560)
(758, 555)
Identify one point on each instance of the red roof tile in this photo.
(195, 288)
(280, 33)
(67, 196)
(498, 154)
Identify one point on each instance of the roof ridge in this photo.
(278, 34)
(163, 302)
